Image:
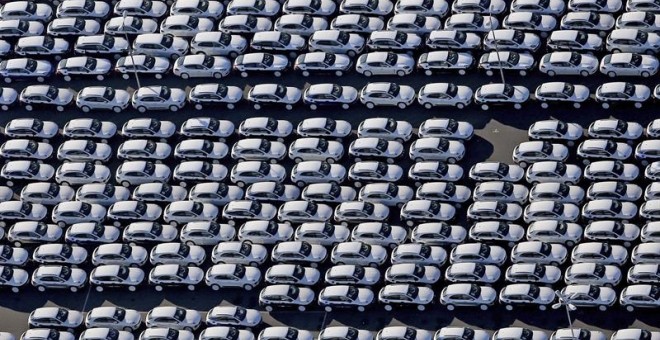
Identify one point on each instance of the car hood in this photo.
(381, 211)
(394, 148)
(46, 172)
(349, 94)
(97, 212)
(19, 278)
(43, 67)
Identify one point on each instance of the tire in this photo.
(388, 308)
(66, 184)
(484, 107)
(517, 106)
(244, 74)
(302, 308)
(605, 105)
(41, 288)
(523, 73)
(28, 108)
(73, 289)
(611, 74)
(345, 106)
(15, 290)
(313, 107)
(450, 307)
(328, 309)
(305, 73)
(451, 160)
(602, 308)
(233, 55)
(8, 80)
(158, 288)
(188, 328)
(489, 73)
(268, 308)
(400, 73)
(174, 108)
(42, 79)
(523, 165)
(99, 289)
(191, 288)
(247, 287)
(339, 73)
(132, 288)
(428, 72)
(361, 309)
(630, 308)
(552, 73)
(11, 184)
(100, 77)
(577, 105)
(616, 50)
(544, 105)
(128, 329)
(428, 106)
(351, 54)
(461, 72)
(17, 244)
(460, 106)
(126, 76)
(570, 243)
(5, 107)
(217, 75)
(142, 109)
(542, 307)
(508, 307)
(402, 105)
(584, 73)
(645, 74)
(257, 107)
(174, 56)
(421, 308)
(158, 76)
(369, 105)
(215, 287)
(483, 307)
(367, 73)
(185, 76)
(638, 105)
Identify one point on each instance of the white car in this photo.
(561, 92)
(532, 273)
(113, 317)
(81, 173)
(415, 211)
(271, 191)
(30, 171)
(609, 209)
(285, 296)
(248, 210)
(140, 8)
(258, 149)
(644, 273)
(102, 98)
(377, 8)
(176, 276)
(82, 150)
(506, 61)
(599, 252)
(505, 192)
(218, 43)
(85, 9)
(453, 39)
(629, 64)
(246, 173)
(543, 210)
(445, 60)
(130, 25)
(292, 274)
(593, 273)
(585, 295)
(438, 233)
(315, 149)
(157, 192)
(53, 277)
(142, 64)
(539, 252)
(67, 27)
(611, 170)
(15, 278)
(89, 128)
(468, 295)
(356, 212)
(91, 233)
(145, 232)
(186, 26)
(299, 252)
(202, 66)
(46, 193)
(512, 332)
(245, 23)
(472, 272)
(82, 66)
(160, 45)
(46, 96)
(344, 296)
(265, 232)
(323, 233)
(526, 294)
(376, 233)
(537, 151)
(645, 253)
(261, 62)
(260, 8)
(385, 128)
(357, 23)
(206, 126)
(173, 317)
(358, 253)
(493, 210)
(642, 20)
(300, 24)
(387, 94)
(437, 149)
(138, 172)
(589, 21)
(516, 40)
(543, 24)
(375, 148)
(201, 149)
(639, 296)
(324, 127)
(419, 254)
(633, 40)
(496, 171)
(274, 41)
(267, 94)
(158, 98)
(75, 212)
(646, 151)
(239, 252)
(335, 41)
(413, 23)
(353, 275)
(568, 63)
(31, 232)
(556, 191)
(491, 94)
(128, 211)
(304, 211)
(55, 317)
(232, 276)
(233, 316)
(614, 190)
(42, 45)
(143, 149)
(148, 128)
(494, 231)
(101, 45)
(181, 212)
(403, 295)
(574, 40)
(478, 253)
(307, 172)
(103, 194)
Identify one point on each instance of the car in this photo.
(453, 39)
(272, 333)
(639, 296)
(614, 190)
(468, 295)
(559, 192)
(438, 233)
(244, 24)
(32, 170)
(320, 62)
(434, 171)
(265, 232)
(285, 296)
(232, 276)
(158, 98)
(254, 171)
(374, 147)
(318, 9)
(261, 62)
(114, 318)
(554, 232)
(173, 317)
(543, 210)
(342, 296)
(323, 233)
(444, 61)
(137, 149)
(611, 170)
(158, 192)
(632, 40)
(494, 231)
(353, 275)
(140, 8)
(292, 274)
(599, 252)
(278, 42)
(436, 148)
(81, 173)
(159, 332)
(42, 45)
(46, 193)
(629, 64)
(148, 128)
(57, 253)
(496, 171)
(358, 253)
(424, 210)
(561, 92)
(568, 63)
(419, 254)
(512, 39)
(649, 232)
(25, 68)
(586, 295)
(506, 61)
(239, 252)
(478, 253)
(357, 23)
(472, 272)
(589, 21)
(218, 44)
(25, 149)
(101, 44)
(55, 317)
(89, 128)
(31, 128)
(56, 276)
(73, 27)
(304, 211)
(258, 149)
(139, 172)
(46, 96)
(8, 98)
(472, 22)
(130, 25)
(574, 40)
(123, 211)
(652, 171)
(645, 253)
(374, 8)
(493, 210)
(646, 151)
(307, 172)
(263, 94)
(645, 21)
(187, 26)
(356, 212)
(508, 332)
(387, 94)
(615, 129)
(528, 21)
(84, 151)
(315, 149)
(539, 252)
(13, 278)
(300, 24)
(260, 8)
(83, 9)
(41, 333)
(609, 209)
(490, 94)
(532, 273)
(201, 66)
(31, 232)
(523, 294)
(160, 45)
(593, 273)
(142, 64)
(299, 252)
(405, 295)
(91, 233)
(651, 192)
(329, 94)
(233, 316)
(335, 41)
(643, 273)
(381, 234)
(501, 191)
(537, 151)
(102, 98)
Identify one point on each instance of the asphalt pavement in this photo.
(497, 132)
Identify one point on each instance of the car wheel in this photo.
(244, 74)
(370, 105)
(132, 288)
(450, 307)
(544, 105)
(373, 265)
(630, 308)
(257, 107)
(41, 288)
(508, 307)
(231, 106)
(233, 55)
(484, 107)
(10, 184)
(218, 75)
(638, 105)
(554, 263)
(611, 74)
(357, 184)
(390, 161)
(302, 308)
(328, 309)
(570, 243)
(73, 289)
(584, 73)
(605, 105)
(191, 287)
(268, 308)
(388, 308)
(188, 328)
(645, 74)
(553, 73)
(460, 106)
(42, 79)
(247, 287)
(338, 73)
(489, 73)
(483, 307)
(523, 73)
(400, 73)
(517, 106)
(451, 160)
(17, 244)
(429, 72)
(602, 308)
(8, 80)
(15, 289)
(367, 73)
(158, 76)
(402, 105)
(313, 107)
(306, 73)
(66, 184)
(215, 287)
(289, 107)
(142, 109)
(428, 106)
(410, 223)
(61, 224)
(28, 107)
(174, 108)
(645, 162)
(421, 308)
(158, 288)
(99, 289)
(523, 165)
(185, 76)
(616, 50)
(4, 107)
(345, 106)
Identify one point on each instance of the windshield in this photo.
(246, 248)
(642, 37)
